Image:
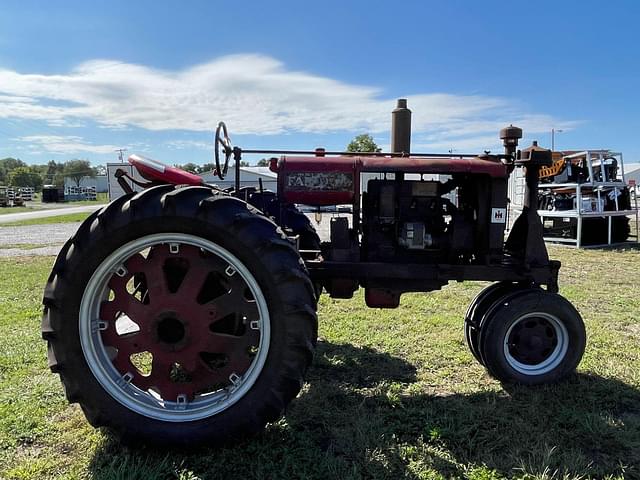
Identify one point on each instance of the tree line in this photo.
(16, 173)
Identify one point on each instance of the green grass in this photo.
(391, 394)
(67, 218)
(4, 210)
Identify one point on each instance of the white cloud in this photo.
(188, 144)
(253, 94)
(63, 144)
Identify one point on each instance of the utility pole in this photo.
(553, 137)
(120, 153)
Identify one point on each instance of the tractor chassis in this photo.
(436, 274)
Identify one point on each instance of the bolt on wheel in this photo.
(174, 327)
(532, 337)
(536, 343)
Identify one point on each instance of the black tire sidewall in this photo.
(477, 310)
(510, 310)
(232, 423)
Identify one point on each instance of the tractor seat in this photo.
(158, 172)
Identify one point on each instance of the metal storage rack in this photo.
(590, 190)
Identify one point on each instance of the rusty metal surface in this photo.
(319, 181)
(443, 165)
(401, 128)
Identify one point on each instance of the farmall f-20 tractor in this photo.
(185, 314)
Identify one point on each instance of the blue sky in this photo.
(80, 79)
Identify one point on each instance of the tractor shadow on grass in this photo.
(363, 414)
(366, 411)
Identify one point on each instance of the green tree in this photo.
(209, 167)
(6, 166)
(25, 177)
(53, 174)
(78, 169)
(189, 167)
(263, 162)
(363, 143)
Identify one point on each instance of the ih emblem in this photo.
(498, 215)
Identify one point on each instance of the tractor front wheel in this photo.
(480, 305)
(178, 317)
(532, 337)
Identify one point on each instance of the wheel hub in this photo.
(170, 329)
(531, 342)
(536, 343)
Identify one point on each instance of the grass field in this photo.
(392, 394)
(4, 210)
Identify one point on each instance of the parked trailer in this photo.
(10, 197)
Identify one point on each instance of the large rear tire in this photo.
(179, 317)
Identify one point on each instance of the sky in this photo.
(81, 79)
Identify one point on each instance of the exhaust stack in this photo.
(401, 128)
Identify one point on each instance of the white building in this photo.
(99, 182)
(249, 177)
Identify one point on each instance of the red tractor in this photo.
(186, 314)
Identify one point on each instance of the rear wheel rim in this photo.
(174, 327)
(536, 343)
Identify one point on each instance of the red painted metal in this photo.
(159, 172)
(156, 302)
(309, 195)
(287, 166)
(444, 165)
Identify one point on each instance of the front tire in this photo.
(532, 337)
(477, 309)
(178, 317)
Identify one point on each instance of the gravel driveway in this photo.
(37, 239)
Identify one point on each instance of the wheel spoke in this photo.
(160, 378)
(154, 270)
(193, 281)
(231, 344)
(130, 305)
(235, 348)
(230, 303)
(170, 389)
(135, 263)
(126, 345)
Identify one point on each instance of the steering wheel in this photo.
(224, 141)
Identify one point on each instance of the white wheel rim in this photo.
(552, 360)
